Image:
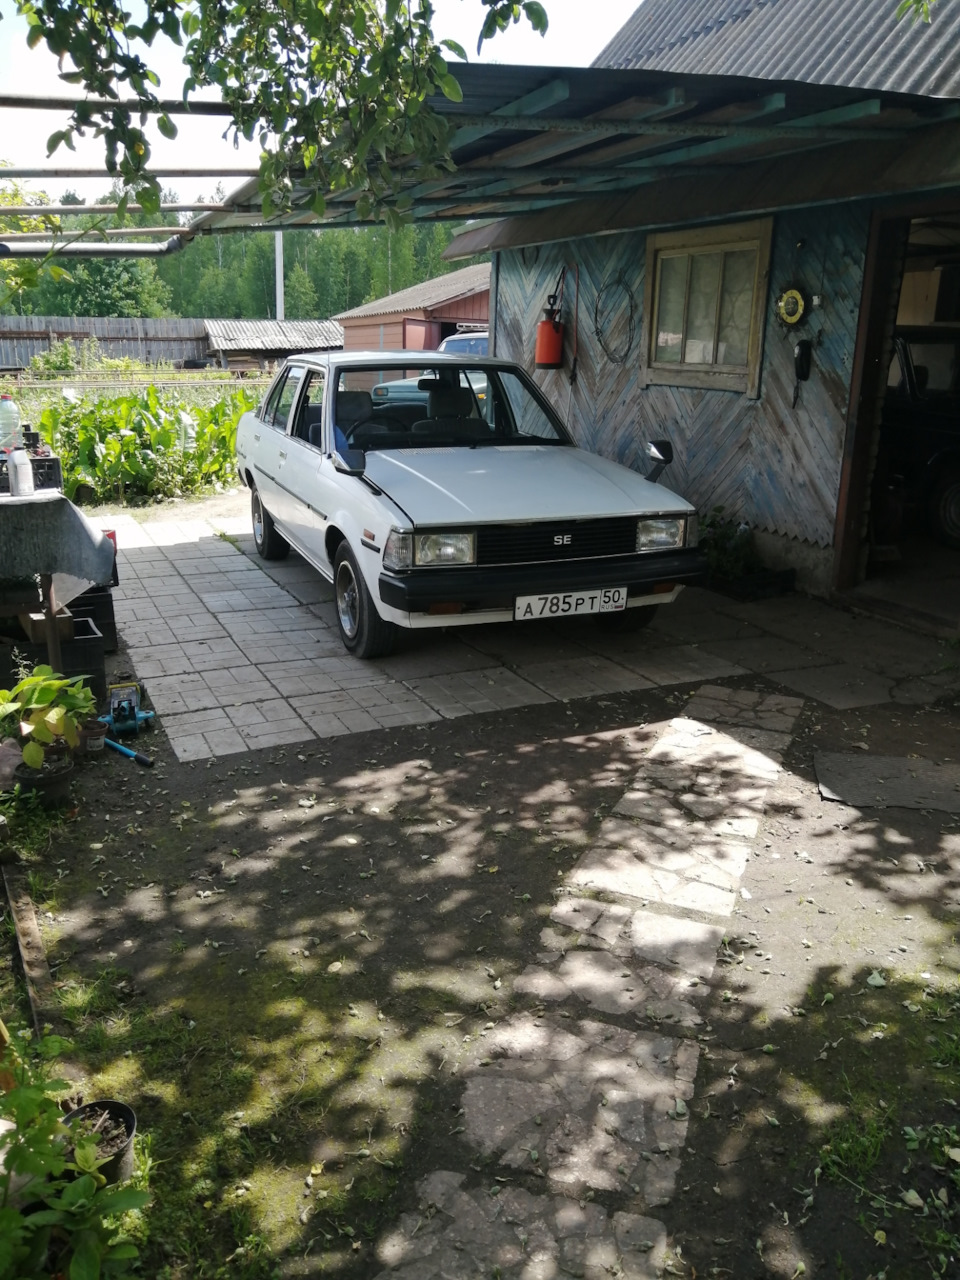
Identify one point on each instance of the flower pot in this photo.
(92, 735)
(114, 1125)
(51, 782)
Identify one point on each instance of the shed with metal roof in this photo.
(255, 344)
(419, 318)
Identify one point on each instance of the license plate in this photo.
(568, 604)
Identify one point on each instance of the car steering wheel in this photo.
(395, 423)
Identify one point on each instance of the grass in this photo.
(901, 1164)
(219, 1105)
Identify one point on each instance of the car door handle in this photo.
(282, 456)
(256, 439)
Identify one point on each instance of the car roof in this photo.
(392, 359)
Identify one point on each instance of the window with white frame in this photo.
(703, 318)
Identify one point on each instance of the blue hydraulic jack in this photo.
(125, 716)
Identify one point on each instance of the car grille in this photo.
(534, 543)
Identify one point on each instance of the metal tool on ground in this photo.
(125, 714)
(146, 761)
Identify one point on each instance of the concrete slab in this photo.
(866, 781)
(841, 686)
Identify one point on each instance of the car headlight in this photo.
(428, 550)
(660, 534)
(444, 548)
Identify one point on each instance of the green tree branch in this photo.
(334, 90)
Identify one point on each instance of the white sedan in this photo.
(466, 502)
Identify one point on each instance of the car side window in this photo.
(309, 422)
(286, 398)
(270, 405)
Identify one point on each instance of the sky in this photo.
(569, 42)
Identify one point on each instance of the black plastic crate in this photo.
(97, 603)
(47, 473)
(81, 656)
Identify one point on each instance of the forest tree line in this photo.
(229, 276)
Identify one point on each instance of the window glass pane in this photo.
(270, 408)
(702, 308)
(530, 418)
(934, 366)
(673, 288)
(287, 396)
(736, 304)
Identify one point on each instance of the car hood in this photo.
(493, 484)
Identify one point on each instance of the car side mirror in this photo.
(350, 462)
(660, 453)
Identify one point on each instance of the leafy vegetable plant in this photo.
(44, 708)
(147, 444)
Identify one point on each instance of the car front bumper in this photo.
(496, 587)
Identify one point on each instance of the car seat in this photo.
(313, 418)
(451, 413)
(353, 407)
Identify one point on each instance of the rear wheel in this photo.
(627, 620)
(363, 632)
(945, 510)
(269, 543)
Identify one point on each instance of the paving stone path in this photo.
(584, 1096)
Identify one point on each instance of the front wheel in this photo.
(269, 543)
(362, 631)
(627, 620)
(945, 510)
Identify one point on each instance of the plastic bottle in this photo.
(20, 470)
(10, 437)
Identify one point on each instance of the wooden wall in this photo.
(775, 466)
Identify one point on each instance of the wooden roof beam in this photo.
(617, 178)
(789, 129)
(633, 109)
(682, 129)
(531, 104)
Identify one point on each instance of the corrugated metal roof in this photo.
(274, 335)
(432, 293)
(859, 43)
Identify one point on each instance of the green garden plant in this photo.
(57, 1216)
(728, 546)
(42, 709)
(143, 445)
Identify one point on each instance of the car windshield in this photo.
(441, 406)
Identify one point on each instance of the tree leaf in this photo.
(451, 88)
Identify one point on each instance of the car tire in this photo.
(362, 631)
(628, 620)
(269, 543)
(944, 510)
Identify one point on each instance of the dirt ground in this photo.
(282, 958)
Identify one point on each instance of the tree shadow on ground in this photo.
(281, 961)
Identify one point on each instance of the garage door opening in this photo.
(911, 563)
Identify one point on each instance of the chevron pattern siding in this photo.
(772, 465)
